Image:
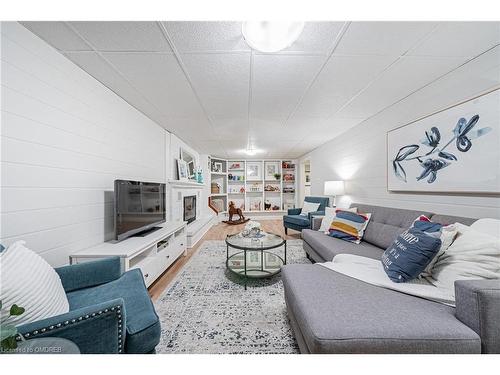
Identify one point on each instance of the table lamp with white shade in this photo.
(334, 188)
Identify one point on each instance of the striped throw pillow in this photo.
(349, 226)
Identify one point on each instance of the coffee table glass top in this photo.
(266, 241)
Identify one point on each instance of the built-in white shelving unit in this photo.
(265, 185)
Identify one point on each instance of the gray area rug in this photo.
(206, 309)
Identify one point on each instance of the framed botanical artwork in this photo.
(271, 170)
(254, 171)
(454, 150)
(182, 170)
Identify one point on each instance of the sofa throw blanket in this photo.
(372, 272)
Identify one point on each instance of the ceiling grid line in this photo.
(335, 77)
(186, 74)
(336, 42)
(415, 91)
(249, 105)
(381, 73)
(120, 74)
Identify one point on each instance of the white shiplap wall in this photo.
(65, 138)
(359, 155)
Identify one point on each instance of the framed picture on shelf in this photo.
(271, 169)
(217, 167)
(182, 170)
(254, 171)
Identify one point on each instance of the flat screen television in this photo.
(139, 207)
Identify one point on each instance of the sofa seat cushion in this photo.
(143, 326)
(300, 220)
(327, 247)
(347, 315)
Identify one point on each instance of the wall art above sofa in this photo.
(454, 150)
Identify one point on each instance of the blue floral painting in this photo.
(447, 142)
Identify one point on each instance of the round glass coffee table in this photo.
(254, 258)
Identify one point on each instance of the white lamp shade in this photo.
(333, 188)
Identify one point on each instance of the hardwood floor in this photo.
(217, 232)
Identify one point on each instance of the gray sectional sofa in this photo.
(333, 313)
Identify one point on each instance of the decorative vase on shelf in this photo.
(199, 176)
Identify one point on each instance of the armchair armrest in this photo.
(84, 275)
(478, 306)
(316, 222)
(315, 213)
(98, 328)
(294, 211)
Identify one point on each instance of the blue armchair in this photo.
(110, 311)
(294, 220)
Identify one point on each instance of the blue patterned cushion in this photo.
(409, 254)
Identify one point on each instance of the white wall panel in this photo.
(65, 139)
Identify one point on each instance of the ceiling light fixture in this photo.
(251, 151)
(271, 36)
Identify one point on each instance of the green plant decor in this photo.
(8, 332)
(277, 176)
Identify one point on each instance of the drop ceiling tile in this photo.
(123, 36)
(261, 129)
(160, 79)
(382, 38)
(279, 81)
(193, 128)
(317, 37)
(231, 128)
(221, 81)
(97, 67)
(206, 36)
(401, 79)
(341, 78)
(58, 35)
(467, 39)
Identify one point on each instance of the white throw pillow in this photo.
(329, 216)
(28, 281)
(448, 234)
(473, 255)
(309, 207)
(487, 226)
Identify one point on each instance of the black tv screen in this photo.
(139, 206)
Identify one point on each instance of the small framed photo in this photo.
(254, 171)
(217, 167)
(182, 170)
(271, 168)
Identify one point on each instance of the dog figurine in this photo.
(235, 211)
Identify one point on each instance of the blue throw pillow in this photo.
(409, 254)
(2, 248)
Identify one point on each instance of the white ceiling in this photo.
(202, 82)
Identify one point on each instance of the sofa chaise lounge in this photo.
(333, 313)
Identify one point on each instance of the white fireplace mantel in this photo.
(185, 184)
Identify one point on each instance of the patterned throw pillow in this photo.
(409, 254)
(349, 226)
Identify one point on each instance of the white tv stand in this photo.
(152, 254)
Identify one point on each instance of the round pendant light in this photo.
(271, 36)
